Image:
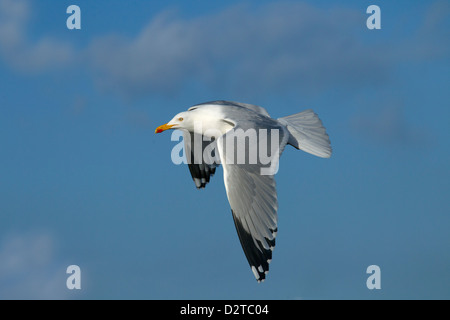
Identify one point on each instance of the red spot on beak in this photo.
(164, 127)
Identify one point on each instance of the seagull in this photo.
(210, 134)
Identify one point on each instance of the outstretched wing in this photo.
(253, 200)
(202, 165)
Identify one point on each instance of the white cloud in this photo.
(28, 268)
(245, 49)
(276, 46)
(19, 51)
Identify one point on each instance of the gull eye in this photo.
(180, 119)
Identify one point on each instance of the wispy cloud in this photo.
(19, 51)
(251, 49)
(272, 47)
(28, 268)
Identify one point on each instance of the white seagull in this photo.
(252, 195)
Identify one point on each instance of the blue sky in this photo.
(85, 181)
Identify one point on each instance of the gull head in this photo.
(206, 120)
(183, 120)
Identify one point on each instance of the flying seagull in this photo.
(210, 135)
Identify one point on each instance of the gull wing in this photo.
(253, 200)
(202, 165)
(254, 205)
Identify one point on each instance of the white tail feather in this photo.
(307, 133)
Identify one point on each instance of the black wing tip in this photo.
(260, 273)
(257, 257)
(201, 174)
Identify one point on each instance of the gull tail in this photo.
(307, 133)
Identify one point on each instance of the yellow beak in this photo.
(164, 127)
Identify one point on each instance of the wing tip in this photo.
(260, 273)
(257, 255)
